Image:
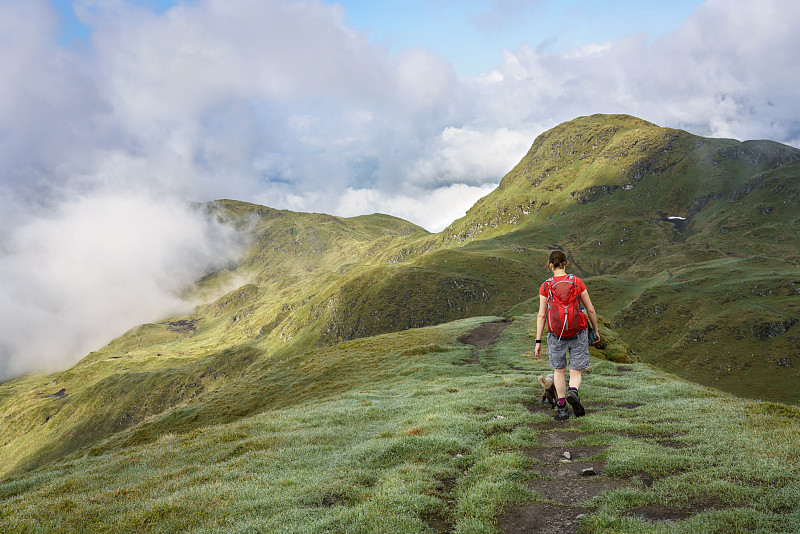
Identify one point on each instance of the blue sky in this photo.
(72, 31)
(472, 33)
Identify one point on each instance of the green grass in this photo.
(325, 312)
(391, 432)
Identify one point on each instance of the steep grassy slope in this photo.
(660, 172)
(416, 432)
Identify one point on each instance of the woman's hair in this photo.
(558, 259)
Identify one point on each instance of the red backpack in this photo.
(564, 316)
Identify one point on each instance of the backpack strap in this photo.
(549, 283)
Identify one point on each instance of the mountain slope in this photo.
(659, 172)
(157, 368)
(712, 297)
(416, 431)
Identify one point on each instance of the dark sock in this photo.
(576, 389)
(562, 401)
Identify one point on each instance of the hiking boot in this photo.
(562, 412)
(574, 400)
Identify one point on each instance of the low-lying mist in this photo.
(74, 279)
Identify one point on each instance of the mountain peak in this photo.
(615, 140)
(660, 170)
(619, 120)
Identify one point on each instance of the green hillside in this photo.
(159, 368)
(416, 432)
(325, 317)
(713, 297)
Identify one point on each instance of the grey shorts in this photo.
(578, 351)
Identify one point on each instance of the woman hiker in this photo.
(559, 304)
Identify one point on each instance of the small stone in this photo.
(567, 455)
(588, 472)
(499, 417)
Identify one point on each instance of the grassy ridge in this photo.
(155, 368)
(713, 298)
(411, 433)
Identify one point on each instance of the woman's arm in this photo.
(587, 303)
(540, 320)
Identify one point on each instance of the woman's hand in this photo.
(538, 351)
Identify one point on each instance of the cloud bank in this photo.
(285, 104)
(95, 267)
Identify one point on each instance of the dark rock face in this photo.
(764, 331)
(754, 184)
(700, 202)
(591, 194)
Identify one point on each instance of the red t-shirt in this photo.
(578, 282)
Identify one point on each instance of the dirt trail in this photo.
(564, 476)
(565, 488)
(486, 334)
(483, 337)
(562, 483)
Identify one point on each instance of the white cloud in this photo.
(593, 49)
(242, 98)
(427, 80)
(93, 268)
(432, 209)
(728, 71)
(469, 155)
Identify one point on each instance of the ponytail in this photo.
(558, 259)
